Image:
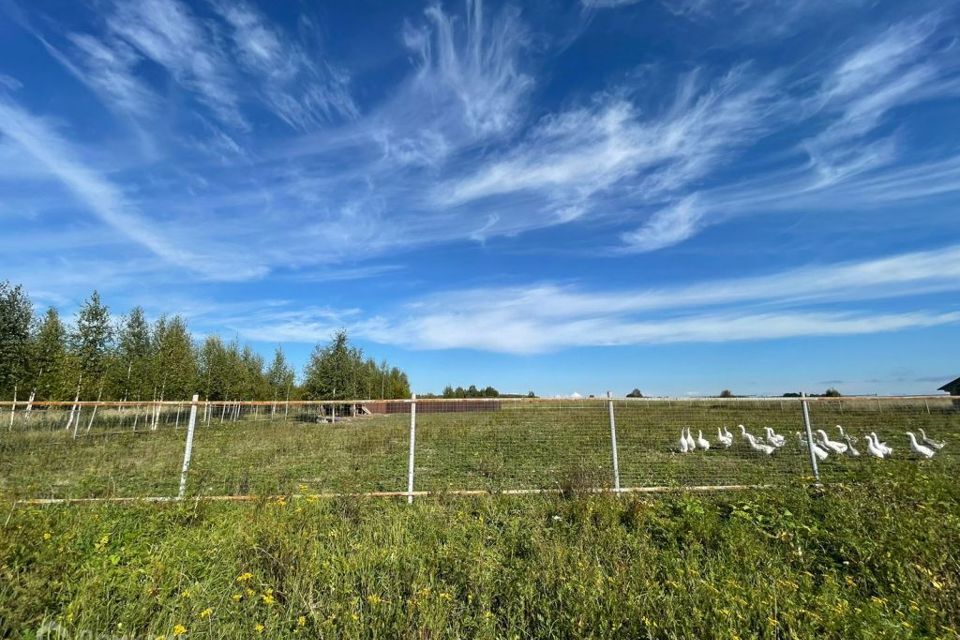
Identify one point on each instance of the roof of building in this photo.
(951, 386)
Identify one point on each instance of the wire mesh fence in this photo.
(64, 450)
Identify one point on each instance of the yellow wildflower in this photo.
(179, 630)
(206, 613)
(267, 599)
(258, 628)
(244, 577)
(301, 621)
(374, 599)
(46, 535)
(236, 597)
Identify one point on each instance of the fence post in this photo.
(806, 424)
(13, 407)
(613, 445)
(413, 444)
(188, 447)
(93, 415)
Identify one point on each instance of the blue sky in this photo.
(683, 195)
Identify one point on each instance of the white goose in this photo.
(758, 446)
(851, 450)
(881, 445)
(836, 447)
(843, 434)
(724, 439)
(691, 443)
(801, 440)
(918, 448)
(821, 453)
(774, 439)
(702, 442)
(727, 433)
(931, 443)
(743, 432)
(873, 449)
(683, 442)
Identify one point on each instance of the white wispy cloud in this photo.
(467, 85)
(849, 165)
(227, 64)
(546, 317)
(507, 333)
(167, 32)
(110, 71)
(97, 193)
(896, 68)
(475, 65)
(449, 152)
(303, 91)
(666, 227)
(575, 155)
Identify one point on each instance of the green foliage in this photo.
(174, 360)
(132, 374)
(636, 393)
(869, 561)
(90, 342)
(49, 358)
(229, 372)
(137, 361)
(16, 316)
(338, 371)
(471, 392)
(280, 377)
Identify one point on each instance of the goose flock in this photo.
(822, 446)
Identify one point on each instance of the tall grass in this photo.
(876, 560)
(524, 445)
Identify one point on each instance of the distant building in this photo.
(953, 388)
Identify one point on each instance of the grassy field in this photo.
(878, 557)
(538, 445)
(874, 560)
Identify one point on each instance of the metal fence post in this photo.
(613, 446)
(188, 448)
(806, 424)
(413, 444)
(13, 407)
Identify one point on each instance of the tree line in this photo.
(98, 357)
(473, 392)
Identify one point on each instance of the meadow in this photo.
(877, 559)
(520, 446)
(873, 551)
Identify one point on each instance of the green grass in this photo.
(879, 559)
(524, 445)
